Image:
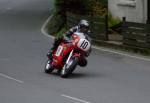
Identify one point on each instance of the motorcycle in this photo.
(68, 55)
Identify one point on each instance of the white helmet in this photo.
(84, 23)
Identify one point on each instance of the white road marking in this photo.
(76, 99)
(95, 47)
(115, 52)
(8, 77)
(44, 26)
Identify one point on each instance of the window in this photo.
(131, 3)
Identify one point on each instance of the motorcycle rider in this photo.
(83, 27)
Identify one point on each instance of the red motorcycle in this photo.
(68, 55)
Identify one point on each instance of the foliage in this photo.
(55, 24)
(61, 32)
(77, 6)
(99, 7)
(104, 2)
(60, 5)
(81, 6)
(112, 21)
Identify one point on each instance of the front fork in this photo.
(67, 61)
(70, 55)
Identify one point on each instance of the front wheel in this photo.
(69, 68)
(48, 67)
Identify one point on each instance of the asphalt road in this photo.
(108, 78)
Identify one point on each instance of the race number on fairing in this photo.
(59, 50)
(84, 44)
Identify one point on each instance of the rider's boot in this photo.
(50, 54)
(55, 45)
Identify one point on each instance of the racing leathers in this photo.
(57, 41)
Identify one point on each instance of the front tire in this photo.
(69, 68)
(48, 68)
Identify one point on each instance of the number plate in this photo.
(59, 50)
(84, 44)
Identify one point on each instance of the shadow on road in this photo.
(79, 75)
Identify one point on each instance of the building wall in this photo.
(133, 10)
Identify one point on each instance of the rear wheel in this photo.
(48, 67)
(69, 68)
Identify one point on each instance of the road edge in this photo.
(43, 29)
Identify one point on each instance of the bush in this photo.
(82, 7)
(104, 2)
(99, 7)
(76, 6)
(112, 21)
(79, 6)
(60, 5)
(61, 32)
(59, 17)
(55, 24)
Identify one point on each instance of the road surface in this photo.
(108, 78)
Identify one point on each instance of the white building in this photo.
(133, 10)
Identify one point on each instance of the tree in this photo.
(99, 7)
(76, 6)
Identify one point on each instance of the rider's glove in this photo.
(67, 39)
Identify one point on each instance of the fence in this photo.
(97, 24)
(136, 34)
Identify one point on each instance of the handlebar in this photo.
(68, 40)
